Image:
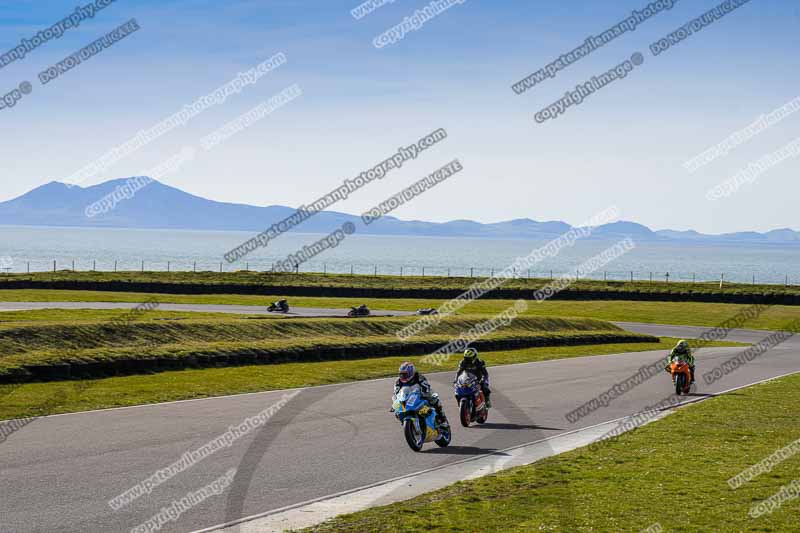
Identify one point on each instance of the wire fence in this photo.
(390, 270)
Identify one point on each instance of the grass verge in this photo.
(673, 472)
(37, 399)
(397, 283)
(62, 350)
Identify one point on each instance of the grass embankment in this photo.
(678, 313)
(673, 472)
(392, 286)
(61, 350)
(37, 399)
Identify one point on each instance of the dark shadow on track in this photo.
(503, 425)
(699, 395)
(463, 450)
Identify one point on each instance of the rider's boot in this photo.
(691, 369)
(441, 418)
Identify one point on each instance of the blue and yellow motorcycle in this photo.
(418, 419)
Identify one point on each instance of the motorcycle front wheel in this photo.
(414, 438)
(680, 384)
(465, 412)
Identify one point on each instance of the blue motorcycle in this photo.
(418, 419)
(471, 403)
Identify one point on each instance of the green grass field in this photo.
(392, 282)
(678, 313)
(672, 472)
(156, 336)
(37, 399)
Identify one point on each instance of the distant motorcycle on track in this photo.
(427, 311)
(281, 306)
(361, 310)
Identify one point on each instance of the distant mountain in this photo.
(780, 236)
(164, 207)
(681, 235)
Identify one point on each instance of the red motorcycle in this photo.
(471, 402)
(681, 376)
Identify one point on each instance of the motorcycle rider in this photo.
(683, 350)
(477, 367)
(408, 377)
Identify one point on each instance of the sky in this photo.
(625, 145)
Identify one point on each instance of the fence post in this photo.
(54, 265)
(448, 272)
(73, 265)
(247, 267)
(29, 267)
(470, 271)
(168, 265)
(401, 271)
(376, 270)
(667, 277)
(351, 270)
(694, 277)
(492, 275)
(651, 277)
(529, 273)
(605, 276)
(94, 265)
(115, 266)
(194, 267)
(142, 265)
(551, 275)
(754, 279)
(786, 284)
(324, 268)
(721, 279)
(631, 276)
(220, 268)
(423, 272)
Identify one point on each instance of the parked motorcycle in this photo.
(418, 419)
(471, 403)
(681, 376)
(281, 306)
(361, 310)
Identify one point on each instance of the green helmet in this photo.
(682, 346)
(470, 354)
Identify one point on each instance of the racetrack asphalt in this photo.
(204, 308)
(59, 472)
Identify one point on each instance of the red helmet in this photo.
(407, 372)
